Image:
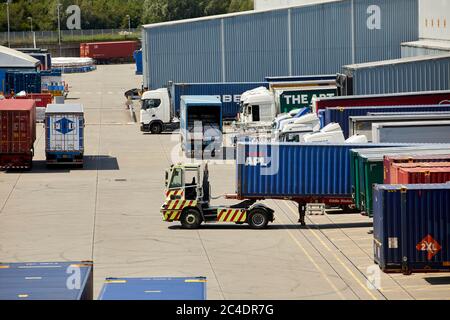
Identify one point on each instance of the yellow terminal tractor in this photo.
(188, 201)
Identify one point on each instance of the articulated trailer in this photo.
(301, 173)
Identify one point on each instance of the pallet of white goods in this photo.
(74, 65)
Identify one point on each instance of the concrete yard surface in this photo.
(108, 212)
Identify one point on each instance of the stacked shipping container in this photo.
(17, 133)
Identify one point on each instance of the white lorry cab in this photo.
(157, 112)
(257, 106)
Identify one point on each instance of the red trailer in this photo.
(109, 51)
(398, 99)
(391, 163)
(17, 133)
(41, 99)
(423, 175)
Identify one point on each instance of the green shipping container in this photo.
(302, 98)
(367, 170)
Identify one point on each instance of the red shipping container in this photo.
(109, 50)
(17, 133)
(423, 175)
(41, 99)
(82, 50)
(395, 168)
(398, 99)
(391, 162)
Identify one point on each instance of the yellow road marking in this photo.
(313, 262)
(339, 260)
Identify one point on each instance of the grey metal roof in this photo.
(234, 14)
(64, 108)
(10, 58)
(396, 61)
(429, 44)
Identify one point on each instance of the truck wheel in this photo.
(156, 128)
(191, 219)
(258, 219)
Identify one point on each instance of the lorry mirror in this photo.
(166, 179)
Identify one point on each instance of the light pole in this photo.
(7, 16)
(129, 23)
(32, 33)
(58, 6)
(31, 23)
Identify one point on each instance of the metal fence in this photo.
(66, 35)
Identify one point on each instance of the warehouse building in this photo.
(413, 74)
(303, 40)
(275, 4)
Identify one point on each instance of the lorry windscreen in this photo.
(150, 103)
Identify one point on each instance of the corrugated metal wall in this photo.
(415, 75)
(314, 39)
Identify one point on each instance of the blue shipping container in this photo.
(46, 281)
(342, 115)
(154, 289)
(137, 55)
(412, 227)
(2, 81)
(295, 171)
(229, 93)
(28, 81)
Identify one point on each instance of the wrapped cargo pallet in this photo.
(411, 228)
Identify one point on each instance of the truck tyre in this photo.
(191, 219)
(258, 219)
(156, 128)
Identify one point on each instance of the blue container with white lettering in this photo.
(229, 93)
(412, 227)
(193, 288)
(297, 172)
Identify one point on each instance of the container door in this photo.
(20, 134)
(4, 132)
(64, 133)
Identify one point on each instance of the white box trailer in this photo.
(64, 134)
(411, 132)
(362, 125)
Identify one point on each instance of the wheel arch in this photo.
(260, 206)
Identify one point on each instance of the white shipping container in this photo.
(64, 128)
(434, 19)
(411, 132)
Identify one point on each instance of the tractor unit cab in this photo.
(188, 196)
(183, 183)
